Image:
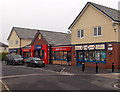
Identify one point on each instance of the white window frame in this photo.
(97, 31)
(16, 42)
(80, 33)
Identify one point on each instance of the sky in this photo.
(51, 15)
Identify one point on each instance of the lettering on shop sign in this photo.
(90, 47)
(60, 48)
(101, 46)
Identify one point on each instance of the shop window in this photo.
(97, 31)
(41, 54)
(80, 55)
(80, 33)
(86, 55)
(59, 55)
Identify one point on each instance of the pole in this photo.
(112, 67)
(83, 67)
(96, 67)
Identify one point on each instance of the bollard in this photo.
(96, 67)
(112, 67)
(83, 67)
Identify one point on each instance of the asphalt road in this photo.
(28, 78)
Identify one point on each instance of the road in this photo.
(28, 78)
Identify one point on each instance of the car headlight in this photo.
(36, 62)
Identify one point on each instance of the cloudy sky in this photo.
(52, 15)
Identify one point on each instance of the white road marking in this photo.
(6, 87)
(115, 85)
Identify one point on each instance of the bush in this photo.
(2, 55)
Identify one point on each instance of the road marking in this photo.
(116, 85)
(6, 87)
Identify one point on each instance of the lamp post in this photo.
(20, 48)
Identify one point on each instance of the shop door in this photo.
(80, 58)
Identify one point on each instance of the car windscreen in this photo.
(36, 59)
(17, 56)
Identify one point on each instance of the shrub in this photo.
(2, 55)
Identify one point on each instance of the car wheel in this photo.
(14, 63)
(6, 63)
(33, 65)
(26, 64)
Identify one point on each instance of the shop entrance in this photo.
(39, 54)
(80, 58)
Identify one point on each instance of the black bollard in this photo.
(83, 67)
(112, 67)
(96, 67)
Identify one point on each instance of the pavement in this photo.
(88, 71)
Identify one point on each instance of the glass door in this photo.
(80, 58)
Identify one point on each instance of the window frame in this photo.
(80, 31)
(16, 42)
(97, 31)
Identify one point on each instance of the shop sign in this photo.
(78, 47)
(13, 50)
(91, 47)
(61, 49)
(38, 47)
(110, 48)
(85, 47)
(26, 50)
(100, 46)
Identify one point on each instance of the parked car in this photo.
(13, 59)
(33, 61)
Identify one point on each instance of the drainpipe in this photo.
(20, 48)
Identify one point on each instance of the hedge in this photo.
(2, 55)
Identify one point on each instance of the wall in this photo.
(12, 40)
(90, 19)
(14, 37)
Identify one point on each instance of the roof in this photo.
(3, 45)
(50, 36)
(111, 13)
(24, 33)
(55, 38)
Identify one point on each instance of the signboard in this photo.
(26, 50)
(90, 47)
(61, 48)
(100, 46)
(38, 47)
(110, 48)
(13, 50)
(78, 47)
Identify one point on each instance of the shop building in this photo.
(95, 37)
(19, 38)
(45, 43)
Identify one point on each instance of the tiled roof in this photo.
(3, 45)
(56, 38)
(111, 13)
(50, 36)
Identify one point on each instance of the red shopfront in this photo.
(40, 51)
(59, 54)
(26, 52)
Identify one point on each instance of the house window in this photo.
(97, 31)
(16, 42)
(80, 33)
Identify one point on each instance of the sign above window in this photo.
(90, 47)
(38, 47)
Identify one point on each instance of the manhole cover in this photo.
(117, 85)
